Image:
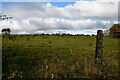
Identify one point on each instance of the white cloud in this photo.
(36, 24)
(96, 10)
(38, 17)
(80, 10)
(108, 0)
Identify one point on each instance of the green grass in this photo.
(56, 56)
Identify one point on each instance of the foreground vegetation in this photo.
(57, 56)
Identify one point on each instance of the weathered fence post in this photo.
(99, 47)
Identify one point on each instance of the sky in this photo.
(78, 17)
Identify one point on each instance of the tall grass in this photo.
(56, 56)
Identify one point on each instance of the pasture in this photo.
(57, 56)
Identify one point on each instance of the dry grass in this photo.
(55, 56)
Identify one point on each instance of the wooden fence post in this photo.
(99, 47)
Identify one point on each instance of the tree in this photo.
(112, 29)
(6, 31)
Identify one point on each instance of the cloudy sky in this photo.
(78, 17)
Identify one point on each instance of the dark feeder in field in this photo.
(99, 47)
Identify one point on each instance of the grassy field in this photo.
(56, 56)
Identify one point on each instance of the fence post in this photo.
(99, 47)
